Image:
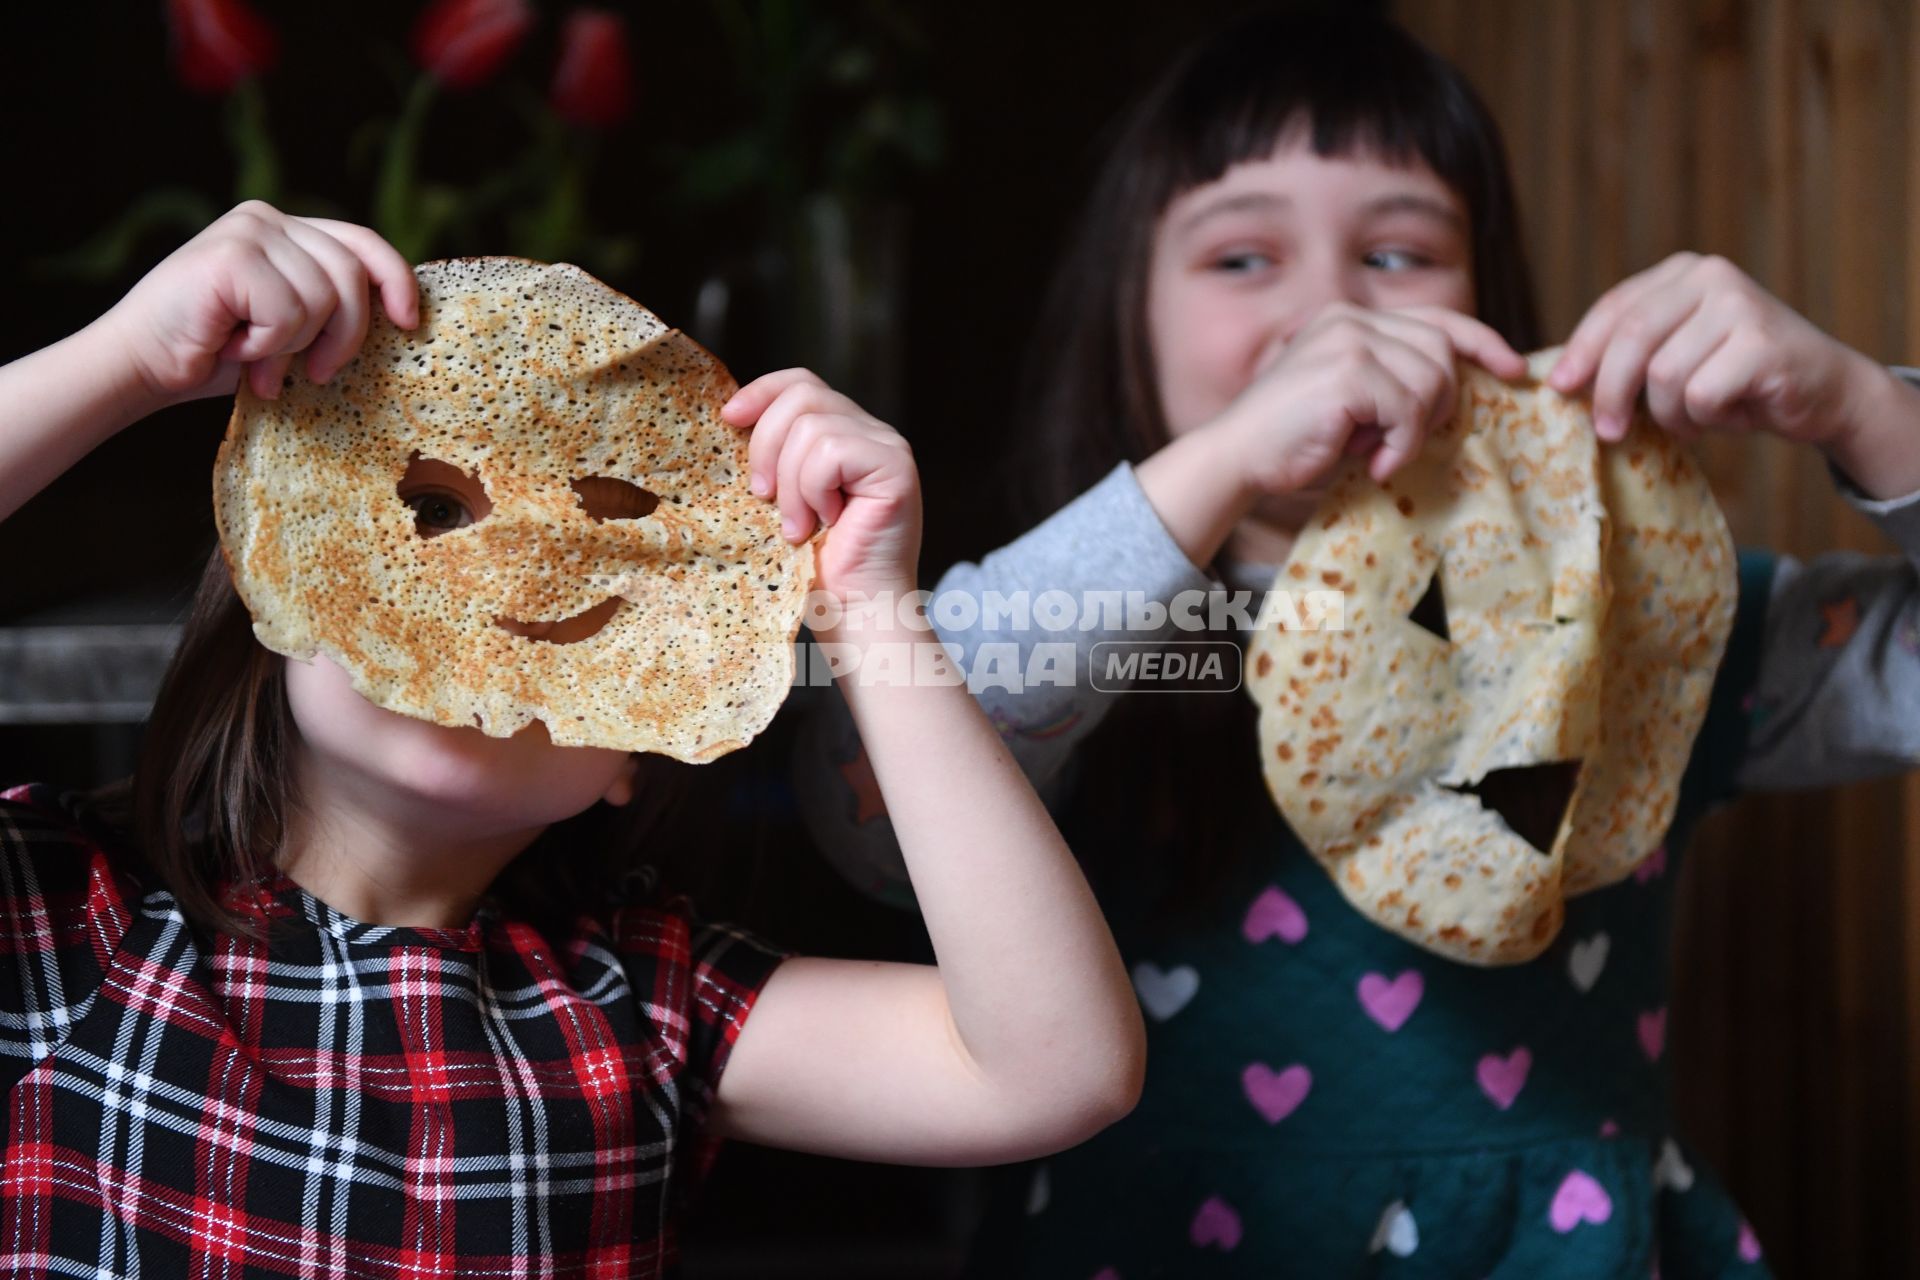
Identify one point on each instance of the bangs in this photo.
(1350, 85)
(1348, 81)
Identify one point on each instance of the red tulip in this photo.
(462, 43)
(593, 83)
(219, 43)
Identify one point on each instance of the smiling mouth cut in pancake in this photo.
(571, 630)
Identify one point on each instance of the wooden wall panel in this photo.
(1784, 134)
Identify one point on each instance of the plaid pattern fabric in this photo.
(347, 1100)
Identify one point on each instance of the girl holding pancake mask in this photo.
(1298, 274)
(335, 983)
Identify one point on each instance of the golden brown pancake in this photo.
(618, 581)
(1461, 770)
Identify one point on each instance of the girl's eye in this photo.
(1241, 264)
(1396, 260)
(438, 512)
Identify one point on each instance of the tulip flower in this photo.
(593, 82)
(219, 43)
(462, 43)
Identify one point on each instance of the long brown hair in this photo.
(213, 786)
(1357, 83)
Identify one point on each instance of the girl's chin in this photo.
(482, 796)
(493, 782)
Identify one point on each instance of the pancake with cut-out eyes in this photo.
(527, 508)
(1531, 625)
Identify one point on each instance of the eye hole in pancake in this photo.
(1531, 799)
(443, 497)
(606, 498)
(1430, 613)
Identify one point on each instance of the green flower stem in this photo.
(398, 212)
(555, 230)
(257, 162)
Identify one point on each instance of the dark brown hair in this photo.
(1355, 83)
(213, 785)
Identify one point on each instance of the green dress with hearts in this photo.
(1324, 1099)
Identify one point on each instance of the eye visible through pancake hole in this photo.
(1531, 799)
(606, 498)
(443, 497)
(1430, 613)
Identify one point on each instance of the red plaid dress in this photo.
(353, 1100)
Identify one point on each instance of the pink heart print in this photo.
(1502, 1079)
(1579, 1199)
(1274, 915)
(1276, 1094)
(1391, 1003)
(1653, 1033)
(1749, 1243)
(1216, 1224)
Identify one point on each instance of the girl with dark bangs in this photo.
(1299, 230)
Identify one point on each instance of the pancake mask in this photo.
(1531, 626)
(616, 581)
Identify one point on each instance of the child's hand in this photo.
(253, 290)
(1354, 381)
(1713, 351)
(827, 461)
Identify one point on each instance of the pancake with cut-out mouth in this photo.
(527, 508)
(1530, 628)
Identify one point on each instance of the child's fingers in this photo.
(285, 298)
(293, 330)
(832, 462)
(1623, 367)
(318, 296)
(1398, 414)
(1719, 393)
(797, 516)
(1363, 442)
(771, 425)
(266, 377)
(1580, 358)
(1421, 333)
(346, 328)
(1474, 339)
(750, 401)
(269, 307)
(384, 265)
(1425, 370)
(1673, 367)
(1377, 401)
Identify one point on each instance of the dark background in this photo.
(93, 117)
